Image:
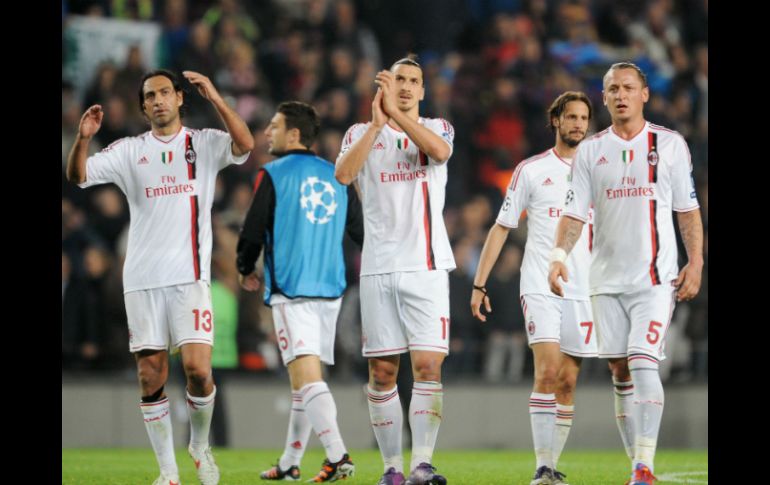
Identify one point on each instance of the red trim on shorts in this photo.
(432, 346)
(148, 347)
(194, 340)
(670, 315)
(384, 350)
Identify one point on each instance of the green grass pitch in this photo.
(472, 467)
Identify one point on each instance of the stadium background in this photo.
(491, 68)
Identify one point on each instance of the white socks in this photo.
(201, 409)
(157, 420)
(321, 411)
(425, 410)
(387, 420)
(648, 407)
(297, 435)
(624, 397)
(564, 415)
(542, 415)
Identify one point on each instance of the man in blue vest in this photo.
(299, 214)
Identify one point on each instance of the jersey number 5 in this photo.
(206, 320)
(652, 332)
(283, 341)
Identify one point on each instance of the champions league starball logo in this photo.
(317, 197)
(570, 197)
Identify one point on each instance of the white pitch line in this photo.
(676, 477)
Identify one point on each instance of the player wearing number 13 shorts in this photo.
(168, 176)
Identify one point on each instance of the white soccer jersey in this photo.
(403, 193)
(170, 190)
(633, 185)
(538, 185)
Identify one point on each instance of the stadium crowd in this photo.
(491, 69)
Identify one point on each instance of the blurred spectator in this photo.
(79, 327)
(175, 30)
(325, 53)
(116, 121)
(110, 215)
(506, 344)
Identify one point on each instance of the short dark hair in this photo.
(558, 105)
(627, 65)
(303, 117)
(174, 82)
(409, 60)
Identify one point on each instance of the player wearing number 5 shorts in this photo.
(299, 215)
(560, 330)
(168, 175)
(635, 174)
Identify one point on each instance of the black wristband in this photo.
(482, 289)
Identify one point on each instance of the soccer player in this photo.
(399, 160)
(168, 175)
(299, 214)
(560, 330)
(634, 173)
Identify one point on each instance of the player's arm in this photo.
(243, 140)
(689, 279)
(90, 123)
(354, 225)
(571, 222)
(489, 254)
(426, 140)
(685, 203)
(250, 241)
(567, 234)
(352, 161)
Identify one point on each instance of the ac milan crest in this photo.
(653, 158)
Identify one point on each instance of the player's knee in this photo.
(197, 375)
(566, 384)
(383, 375)
(546, 377)
(427, 369)
(619, 369)
(149, 379)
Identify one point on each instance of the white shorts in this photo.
(306, 326)
(405, 311)
(634, 323)
(566, 322)
(169, 317)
